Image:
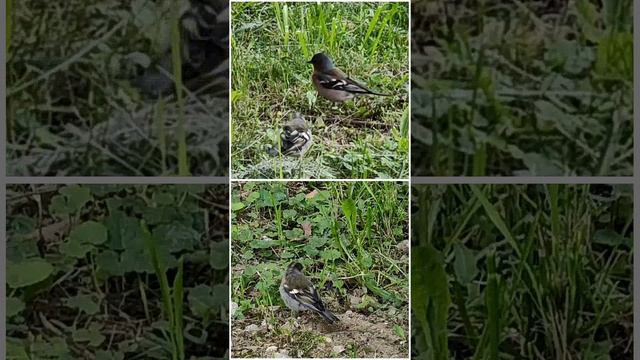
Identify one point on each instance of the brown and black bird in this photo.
(333, 84)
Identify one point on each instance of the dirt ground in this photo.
(306, 335)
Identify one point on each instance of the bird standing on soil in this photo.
(333, 84)
(295, 138)
(299, 294)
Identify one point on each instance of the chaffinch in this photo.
(333, 84)
(299, 294)
(295, 137)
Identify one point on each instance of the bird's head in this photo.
(321, 62)
(295, 123)
(294, 266)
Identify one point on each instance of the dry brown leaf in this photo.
(311, 195)
(306, 227)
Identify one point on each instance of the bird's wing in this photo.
(307, 297)
(335, 79)
(295, 142)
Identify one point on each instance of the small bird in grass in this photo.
(333, 84)
(295, 138)
(299, 294)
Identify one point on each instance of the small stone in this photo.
(355, 300)
(403, 246)
(233, 307)
(252, 328)
(272, 349)
(338, 349)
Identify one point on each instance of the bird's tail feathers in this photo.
(327, 315)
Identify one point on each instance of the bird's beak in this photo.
(309, 62)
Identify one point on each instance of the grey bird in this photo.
(295, 138)
(299, 294)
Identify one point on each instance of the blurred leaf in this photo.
(21, 225)
(109, 262)
(14, 306)
(289, 214)
(611, 238)
(16, 350)
(84, 303)
(204, 299)
(75, 249)
(71, 200)
(252, 197)
(464, 264)
(311, 250)
(92, 335)
(430, 299)
(163, 198)
(219, 255)
(399, 331)
(235, 206)
(27, 272)
(109, 355)
(176, 237)
(330, 254)
(51, 348)
(90, 232)
(124, 231)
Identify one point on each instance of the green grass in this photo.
(522, 271)
(349, 238)
(271, 44)
(117, 271)
(72, 108)
(522, 88)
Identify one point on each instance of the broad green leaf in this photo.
(90, 232)
(289, 214)
(219, 255)
(330, 254)
(124, 232)
(14, 306)
(252, 197)
(430, 299)
(109, 355)
(27, 272)
(16, 350)
(109, 262)
(464, 264)
(21, 225)
(350, 211)
(176, 237)
(495, 217)
(398, 330)
(235, 206)
(163, 198)
(75, 249)
(84, 303)
(611, 238)
(92, 335)
(71, 200)
(51, 348)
